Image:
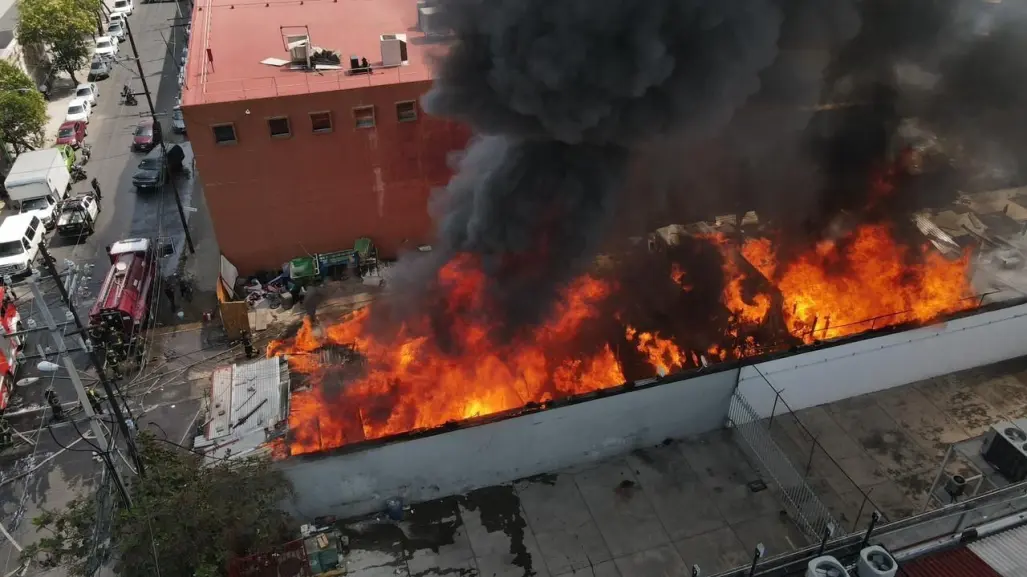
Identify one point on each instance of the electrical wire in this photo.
(165, 439)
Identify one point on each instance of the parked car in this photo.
(71, 133)
(99, 69)
(106, 47)
(177, 120)
(184, 58)
(151, 171)
(78, 109)
(122, 7)
(146, 136)
(67, 153)
(116, 30)
(88, 92)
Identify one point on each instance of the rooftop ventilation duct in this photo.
(299, 49)
(428, 20)
(394, 49)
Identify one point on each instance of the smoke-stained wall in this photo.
(454, 462)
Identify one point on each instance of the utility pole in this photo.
(163, 148)
(80, 389)
(94, 359)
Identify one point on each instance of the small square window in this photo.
(406, 111)
(364, 116)
(278, 127)
(321, 121)
(224, 133)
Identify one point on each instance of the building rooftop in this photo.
(248, 406)
(659, 510)
(231, 38)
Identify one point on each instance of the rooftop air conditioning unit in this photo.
(874, 561)
(826, 566)
(299, 49)
(1005, 448)
(394, 49)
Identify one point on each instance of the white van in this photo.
(20, 236)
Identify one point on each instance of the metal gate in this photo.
(802, 503)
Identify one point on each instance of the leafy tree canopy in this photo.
(192, 518)
(22, 108)
(62, 26)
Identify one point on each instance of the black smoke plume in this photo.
(564, 95)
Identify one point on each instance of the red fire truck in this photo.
(10, 322)
(122, 308)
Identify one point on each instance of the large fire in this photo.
(376, 385)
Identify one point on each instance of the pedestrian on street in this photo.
(96, 188)
(55, 403)
(169, 290)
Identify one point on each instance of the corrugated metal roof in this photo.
(960, 562)
(247, 401)
(1006, 552)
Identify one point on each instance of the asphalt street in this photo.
(55, 463)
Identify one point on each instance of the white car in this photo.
(88, 92)
(184, 58)
(122, 7)
(117, 17)
(106, 47)
(116, 30)
(78, 111)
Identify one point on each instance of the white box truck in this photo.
(38, 180)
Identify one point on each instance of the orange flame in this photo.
(408, 381)
(829, 293)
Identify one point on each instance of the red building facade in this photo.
(296, 162)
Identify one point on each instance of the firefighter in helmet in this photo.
(6, 434)
(55, 403)
(94, 400)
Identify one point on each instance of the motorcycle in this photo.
(85, 153)
(128, 96)
(78, 173)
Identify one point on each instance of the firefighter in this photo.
(248, 345)
(6, 434)
(94, 400)
(55, 403)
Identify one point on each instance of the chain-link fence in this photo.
(809, 513)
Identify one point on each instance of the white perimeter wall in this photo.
(465, 459)
(870, 365)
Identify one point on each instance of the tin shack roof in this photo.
(248, 406)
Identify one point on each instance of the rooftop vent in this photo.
(299, 49)
(428, 20)
(394, 49)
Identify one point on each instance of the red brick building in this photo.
(298, 154)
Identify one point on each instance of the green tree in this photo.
(22, 109)
(62, 26)
(192, 518)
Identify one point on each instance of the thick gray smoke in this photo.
(563, 94)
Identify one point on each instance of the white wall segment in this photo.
(454, 462)
(834, 373)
